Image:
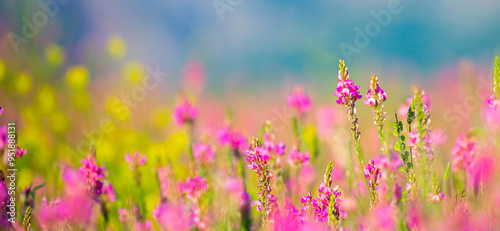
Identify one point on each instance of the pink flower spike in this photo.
(493, 103)
(413, 139)
(203, 152)
(184, 112)
(299, 100)
(135, 160)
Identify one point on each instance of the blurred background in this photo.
(68, 69)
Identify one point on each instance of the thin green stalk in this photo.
(357, 146)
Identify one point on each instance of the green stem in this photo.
(357, 146)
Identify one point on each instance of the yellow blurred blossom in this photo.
(176, 144)
(116, 46)
(77, 77)
(2, 70)
(117, 108)
(23, 83)
(54, 54)
(81, 100)
(161, 116)
(46, 99)
(59, 122)
(134, 72)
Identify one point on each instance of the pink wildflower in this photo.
(203, 152)
(403, 109)
(164, 181)
(413, 139)
(437, 197)
(320, 205)
(347, 91)
(373, 174)
(194, 187)
(375, 95)
(299, 100)
(93, 175)
(258, 158)
(185, 112)
(172, 217)
(135, 160)
(20, 152)
(493, 103)
(234, 139)
(462, 153)
(143, 226)
(297, 158)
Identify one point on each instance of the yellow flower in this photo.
(160, 117)
(2, 70)
(23, 83)
(59, 122)
(117, 108)
(54, 54)
(46, 99)
(134, 72)
(77, 77)
(116, 46)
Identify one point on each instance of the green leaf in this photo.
(402, 138)
(395, 132)
(38, 187)
(447, 172)
(396, 146)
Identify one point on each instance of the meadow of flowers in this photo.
(87, 159)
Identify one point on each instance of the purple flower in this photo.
(299, 100)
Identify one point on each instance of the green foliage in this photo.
(496, 78)
(447, 173)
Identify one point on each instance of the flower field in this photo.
(119, 145)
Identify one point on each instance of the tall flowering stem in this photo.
(374, 98)
(257, 158)
(422, 146)
(374, 175)
(348, 93)
(400, 146)
(494, 100)
(327, 207)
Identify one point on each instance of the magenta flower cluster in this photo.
(93, 175)
(184, 112)
(320, 205)
(375, 95)
(347, 91)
